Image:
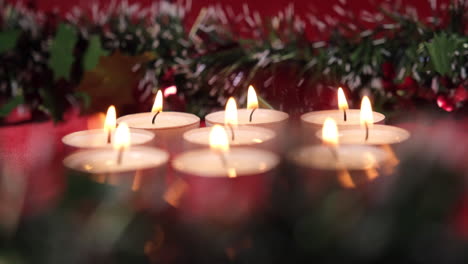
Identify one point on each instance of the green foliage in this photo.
(8, 39)
(93, 53)
(5, 109)
(61, 51)
(441, 50)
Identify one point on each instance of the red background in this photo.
(264, 7)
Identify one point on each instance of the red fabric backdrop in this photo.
(265, 7)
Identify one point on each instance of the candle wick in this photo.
(223, 159)
(251, 114)
(120, 155)
(233, 136)
(109, 135)
(345, 117)
(367, 131)
(154, 117)
(334, 152)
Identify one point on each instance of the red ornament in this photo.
(445, 103)
(461, 94)
(388, 71)
(408, 85)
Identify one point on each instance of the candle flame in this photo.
(158, 103)
(219, 140)
(342, 102)
(252, 101)
(366, 112)
(122, 137)
(111, 119)
(330, 132)
(230, 114)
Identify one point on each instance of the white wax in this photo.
(378, 135)
(163, 120)
(244, 135)
(353, 117)
(105, 160)
(98, 138)
(260, 116)
(207, 163)
(351, 157)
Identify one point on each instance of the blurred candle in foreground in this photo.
(219, 176)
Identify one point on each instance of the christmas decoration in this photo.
(398, 58)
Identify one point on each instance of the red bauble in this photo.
(408, 85)
(445, 103)
(461, 94)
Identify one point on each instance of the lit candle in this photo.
(340, 159)
(167, 126)
(133, 167)
(96, 138)
(369, 133)
(238, 135)
(344, 117)
(252, 115)
(224, 181)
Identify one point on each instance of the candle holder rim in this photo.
(381, 117)
(285, 116)
(272, 135)
(275, 164)
(68, 160)
(66, 138)
(404, 132)
(197, 120)
(291, 156)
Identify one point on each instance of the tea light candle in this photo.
(362, 160)
(167, 126)
(343, 117)
(108, 160)
(379, 135)
(138, 168)
(104, 161)
(244, 136)
(252, 115)
(227, 184)
(96, 138)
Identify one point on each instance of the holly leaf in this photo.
(93, 53)
(441, 51)
(8, 39)
(10, 105)
(61, 51)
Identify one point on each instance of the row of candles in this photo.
(236, 142)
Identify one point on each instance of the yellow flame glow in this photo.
(219, 140)
(230, 114)
(158, 103)
(330, 132)
(252, 101)
(366, 112)
(232, 173)
(111, 119)
(342, 102)
(122, 137)
(345, 179)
